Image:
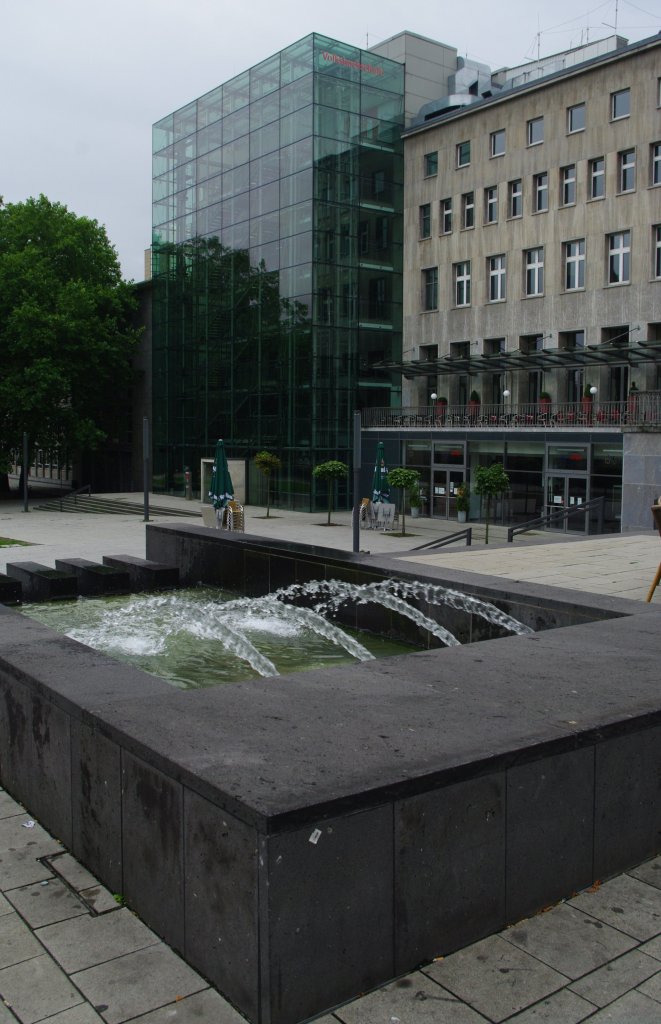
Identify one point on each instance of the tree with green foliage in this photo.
(267, 463)
(330, 472)
(406, 480)
(489, 482)
(65, 334)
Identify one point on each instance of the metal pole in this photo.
(145, 465)
(26, 469)
(356, 481)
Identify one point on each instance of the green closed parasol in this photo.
(380, 485)
(221, 490)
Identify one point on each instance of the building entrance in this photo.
(566, 492)
(444, 492)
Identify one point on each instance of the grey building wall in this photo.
(641, 477)
(429, 64)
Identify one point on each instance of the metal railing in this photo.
(440, 542)
(87, 489)
(642, 409)
(561, 515)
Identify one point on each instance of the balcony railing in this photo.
(642, 409)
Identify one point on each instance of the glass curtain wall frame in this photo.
(258, 281)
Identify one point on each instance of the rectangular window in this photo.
(535, 131)
(575, 265)
(515, 190)
(463, 154)
(626, 163)
(446, 216)
(425, 221)
(568, 185)
(597, 179)
(497, 142)
(462, 283)
(535, 271)
(541, 192)
(655, 160)
(620, 104)
(656, 235)
(576, 118)
(491, 205)
(497, 278)
(468, 210)
(430, 288)
(431, 164)
(619, 257)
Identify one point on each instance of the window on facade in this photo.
(378, 184)
(446, 216)
(468, 210)
(655, 163)
(576, 118)
(462, 283)
(535, 271)
(431, 164)
(497, 278)
(424, 224)
(575, 264)
(541, 192)
(491, 205)
(463, 154)
(430, 288)
(656, 235)
(497, 142)
(363, 237)
(515, 196)
(597, 178)
(626, 163)
(535, 131)
(620, 104)
(619, 257)
(568, 185)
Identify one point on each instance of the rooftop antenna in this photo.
(607, 24)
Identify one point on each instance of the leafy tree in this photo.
(267, 463)
(65, 336)
(406, 480)
(490, 481)
(330, 472)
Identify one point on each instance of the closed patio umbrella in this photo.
(380, 485)
(221, 490)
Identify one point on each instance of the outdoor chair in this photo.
(234, 518)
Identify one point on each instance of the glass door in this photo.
(444, 497)
(566, 492)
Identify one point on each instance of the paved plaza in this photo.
(71, 953)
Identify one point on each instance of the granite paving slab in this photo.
(568, 940)
(495, 977)
(99, 899)
(653, 948)
(626, 903)
(80, 1014)
(633, 1008)
(206, 1007)
(38, 988)
(8, 806)
(612, 980)
(16, 833)
(5, 906)
(137, 983)
(562, 1007)
(17, 943)
(68, 868)
(45, 902)
(649, 872)
(416, 998)
(19, 867)
(652, 988)
(81, 943)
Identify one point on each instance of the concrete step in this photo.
(89, 504)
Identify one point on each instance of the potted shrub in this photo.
(462, 502)
(586, 401)
(414, 501)
(474, 404)
(544, 399)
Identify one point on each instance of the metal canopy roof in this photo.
(607, 354)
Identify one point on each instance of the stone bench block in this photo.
(39, 583)
(94, 579)
(11, 591)
(143, 573)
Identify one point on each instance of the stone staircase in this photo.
(88, 503)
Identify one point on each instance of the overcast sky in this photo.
(82, 81)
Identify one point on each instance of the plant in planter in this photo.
(490, 481)
(462, 502)
(544, 398)
(473, 404)
(406, 480)
(415, 501)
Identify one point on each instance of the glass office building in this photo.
(277, 263)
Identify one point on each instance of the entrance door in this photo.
(564, 492)
(444, 492)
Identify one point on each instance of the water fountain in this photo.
(302, 838)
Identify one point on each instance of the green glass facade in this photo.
(277, 264)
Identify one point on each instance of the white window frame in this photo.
(497, 143)
(462, 283)
(515, 194)
(568, 185)
(541, 192)
(497, 268)
(430, 159)
(468, 210)
(626, 166)
(463, 157)
(575, 265)
(532, 127)
(655, 163)
(614, 103)
(619, 257)
(570, 110)
(446, 216)
(597, 176)
(491, 204)
(535, 271)
(424, 221)
(429, 289)
(656, 263)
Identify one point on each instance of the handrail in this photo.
(87, 489)
(442, 541)
(561, 514)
